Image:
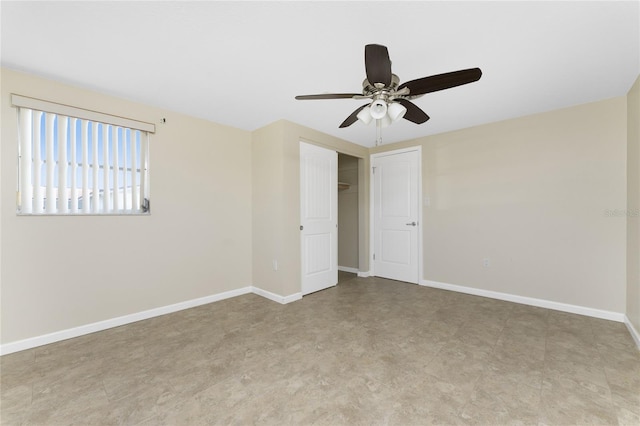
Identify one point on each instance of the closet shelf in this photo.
(343, 186)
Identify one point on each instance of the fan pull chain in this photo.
(378, 132)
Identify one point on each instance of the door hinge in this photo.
(374, 170)
(374, 256)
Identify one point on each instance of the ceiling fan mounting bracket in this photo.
(388, 94)
(371, 89)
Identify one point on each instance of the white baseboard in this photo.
(363, 274)
(276, 297)
(348, 269)
(542, 303)
(632, 330)
(57, 336)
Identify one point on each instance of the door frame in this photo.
(372, 189)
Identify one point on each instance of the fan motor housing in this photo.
(369, 89)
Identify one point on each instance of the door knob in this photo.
(411, 224)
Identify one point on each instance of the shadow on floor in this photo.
(345, 276)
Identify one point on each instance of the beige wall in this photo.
(633, 205)
(531, 195)
(268, 208)
(276, 229)
(63, 272)
(348, 212)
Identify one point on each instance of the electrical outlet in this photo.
(486, 262)
(275, 265)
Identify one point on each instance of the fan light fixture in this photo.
(378, 109)
(396, 111)
(365, 115)
(385, 121)
(386, 113)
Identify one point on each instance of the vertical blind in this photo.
(77, 165)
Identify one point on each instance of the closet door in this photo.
(318, 217)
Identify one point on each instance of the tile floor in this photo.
(369, 351)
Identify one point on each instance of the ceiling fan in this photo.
(391, 100)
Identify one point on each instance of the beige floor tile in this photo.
(500, 399)
(68, 405)
(369, 351)
(591, 372)
(520, 367)
(15, 403)
(569, 401)
(626, 417)
(627, 398)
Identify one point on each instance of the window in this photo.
(75, 161)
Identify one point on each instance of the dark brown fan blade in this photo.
(353, 117)
(441, 81)
(328, 96)
(377, 64)
(413, 114)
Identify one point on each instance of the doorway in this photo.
(331, 241)
(348, 214)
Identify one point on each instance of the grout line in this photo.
(604, 370)
(544, 365)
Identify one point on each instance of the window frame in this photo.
(113, 133)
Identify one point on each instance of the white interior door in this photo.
(319, 217)
(396, 183)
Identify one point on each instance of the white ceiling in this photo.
(242, 63)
